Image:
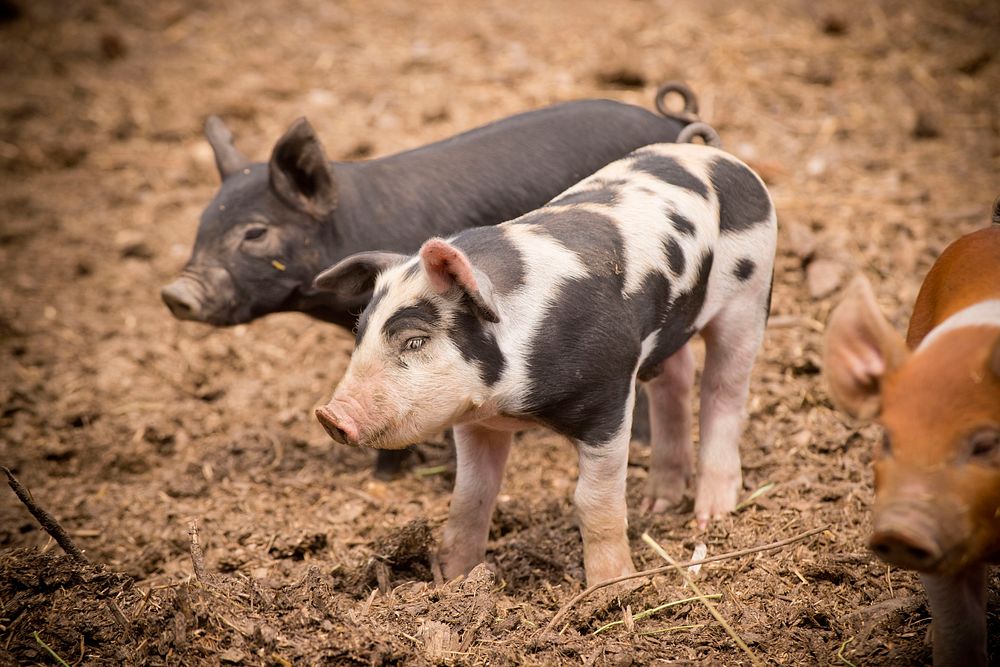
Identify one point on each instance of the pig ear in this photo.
(300, 173)
(354, 276)
(227, 158)
(448, 267)
(859, 348)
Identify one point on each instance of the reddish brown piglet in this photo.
(937, 395)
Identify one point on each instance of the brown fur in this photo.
(968, 271)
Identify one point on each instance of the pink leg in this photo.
(732, 340)
(481, 455)
(600, 505)
(671, 464)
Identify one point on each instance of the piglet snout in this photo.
(338, 425)
(183, 299)
(908, 538)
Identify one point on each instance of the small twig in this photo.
(43, 644)
(197, 556)
(702, 598)
(48, 522)
(649, 612)
(119, 615)
(666, 568)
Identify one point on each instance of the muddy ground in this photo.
(875, 123)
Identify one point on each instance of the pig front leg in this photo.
(481, 455)
(601, 508)
(958, 617)
(732, 339)
(672, 457)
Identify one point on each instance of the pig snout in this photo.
(908, 537)
(183, 298)
(338, 425)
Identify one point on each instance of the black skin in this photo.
(271, 228)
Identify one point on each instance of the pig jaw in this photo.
(382, 411)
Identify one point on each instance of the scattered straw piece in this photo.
(48, 648)
(701, 597)
(430, 471)
(672, 628)
(666, 568)
(649, 612)
(756, 494)
(840, 652)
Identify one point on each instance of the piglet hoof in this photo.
(716, 497)
(665, 492)
(389, 463)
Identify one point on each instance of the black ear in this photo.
(227, 158)
(354, 276)
(300, 173)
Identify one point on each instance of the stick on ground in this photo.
(197, 556)
(666, 568)
(47, 521)
(703, 598)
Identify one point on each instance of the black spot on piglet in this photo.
(744, 269)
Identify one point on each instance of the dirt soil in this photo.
(876, 125)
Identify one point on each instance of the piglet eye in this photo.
(985, 444)
(414, 343)
(254, 233)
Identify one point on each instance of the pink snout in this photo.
(341, 427)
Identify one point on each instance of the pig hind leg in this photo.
(601, 504)
(481, 455)
(732, 340)
(672, 456)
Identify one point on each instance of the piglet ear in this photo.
(227, 158)
(300, 174)
(354, 277)
(859, 348)
(447, 267)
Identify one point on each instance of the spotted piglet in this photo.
(550, 318)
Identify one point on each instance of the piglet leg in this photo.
(732, 339)
(671, 464)
(958, 613)
(601, 508)
(481, 455)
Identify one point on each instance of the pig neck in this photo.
(984, 313)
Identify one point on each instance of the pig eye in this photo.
(414, 343)
(985, 444)
(254, 232)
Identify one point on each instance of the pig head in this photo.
(263, 237)
(408, 377)
(937, 468)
